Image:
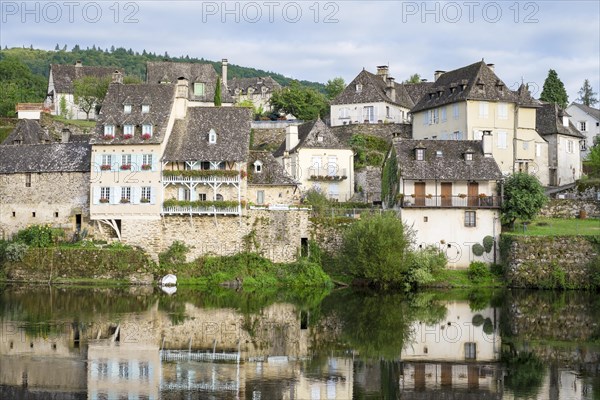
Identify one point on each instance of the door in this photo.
(446, 194)
(419, 193)
(473, 193)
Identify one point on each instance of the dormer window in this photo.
(319, 138)
(147, 130)
(145, 108)
(199, 89)
(258, 165)
(127, 130)
(358, 87)
(419, 154)
(127, 109)
(439, 153)
(109, 130)
(468, 156)
(212, 136)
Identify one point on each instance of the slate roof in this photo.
(168, 71)
(593, 112)
(473, 82)
(63, 76)
(160, 97)
(451, 165)
(189, 139)
(308, 134)
(272, 172)
(55, 157)
(27, 131)
(549, 121)
(243, 84)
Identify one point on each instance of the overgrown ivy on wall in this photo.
(389, 179)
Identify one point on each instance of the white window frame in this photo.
(420, 154)
(369, 113)
(147, 159)
(455, 111)
(125, 159)
(484, 110)
(470, 351)
(147, 129)
(444, 117)
(570, 146)
(128, 129)
(127, 109)
(502, 140)
(126, 193)
(212, 136)
(199, 89)
(502, 110)
(107, 159)
(145, 108)
(583, 126)
(109, 130)
(471, 219)
(260, 197)
(146, 193)
(538, 149)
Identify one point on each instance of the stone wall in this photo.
(570, 208)
(385, 131)
(327, 233)
(547, 261)
(51, 198)
(268, 138)
(369, 180)
(275, 234)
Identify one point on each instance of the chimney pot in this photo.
(117, 77)
(65, 136)
(437, 74)
(491, 66)
(291, 137)
(224, 64)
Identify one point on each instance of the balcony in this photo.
(182, 207)
(412, 201)
(332, 174)
(201, 176)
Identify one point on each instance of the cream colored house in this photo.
(257, 90)
(466, 103)
(312, 155)
(375, 98)
(448, 193)
(268, 183)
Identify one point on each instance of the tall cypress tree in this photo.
(218, 93)
(554, 90)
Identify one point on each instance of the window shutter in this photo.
(181, 195)
(96, 195)
(152, 195)
(97, 162)
(115, 194)
(135, 194)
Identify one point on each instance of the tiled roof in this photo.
(594, 112)
(473, 82)
(416, 91)
(314, 134)
(55, 157)
(64, 75)
(170, 72)
(243, 84)
(450, 165)
(549, 121)
(160, 97)
(272, 172)
(27, 131)
(189, 140)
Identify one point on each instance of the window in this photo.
(147, 161)
(126, 159)
(483, 109)
(502, 140)
(569, 146)
(123, 370)
(260, 197)
(212, 136)
(582, 126)
(433, 116)
(470, 218)
(470, 351)
(387, 111)
(538, 149)
(358, 87)
(444, 114)
(198, 89)
(28, 180)
(147, 129)
(426, 118)
(502, 111)
(332, 165)
(126, 194)
(344, 113)
(439, 153)
(55, 214)
(258, 166)
(127, 109)
(202, 196)
(420, 154)
(145, 108)
(468, 156)
(184, 194)
(128, 130)
(104, 194)
(107, 159)
(369, 113)
(109, 130)
(146, 194)
(455, 112)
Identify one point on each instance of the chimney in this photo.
(117, 77)
(423, 80)
(382, 71)
(224, 72)
(487, 143)
(565, 121)
(437, 74)
(78, 63)
(291, 137)
(65, 136)
(491, 66)
(181, 98)
(390, 89)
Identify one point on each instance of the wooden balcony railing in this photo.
(451, 201)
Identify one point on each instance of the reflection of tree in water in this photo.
(525, 374)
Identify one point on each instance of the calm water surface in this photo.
(142, 343)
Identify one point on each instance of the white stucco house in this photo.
(587, 121)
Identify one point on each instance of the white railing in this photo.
(280, 207)
(208, 210)
(201, 179)
(182, 355)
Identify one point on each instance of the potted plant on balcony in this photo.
(105, 167)
(146, 136)
(124, 200)
(127, 136)
(482, 195)
(104, 200)
(146, 167)
(144, 200)
(429, 196)
(462, 195)
(108, 137)
(125, 167)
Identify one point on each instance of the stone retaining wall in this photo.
(569, 208)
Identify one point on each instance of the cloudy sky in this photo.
(319, 40)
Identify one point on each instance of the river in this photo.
(143, 343)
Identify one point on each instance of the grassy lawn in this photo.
(76, 122)
(557, 227)
(459, 278)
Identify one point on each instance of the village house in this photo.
(60, 86)
(587, 121)
(30, 110)
(448, 193)
(268, 183)
(564, 143)
(470, 102)
(28, 131)
(373, 98)
(312, 155)
(202, 79)
(256, 90)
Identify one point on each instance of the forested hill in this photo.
(134, 63)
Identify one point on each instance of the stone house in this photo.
(28, 131)
(372, 98)
(466, 103)
(256, 90)
(587, 121)
(448, 192)
(60, 85)
(312, 155)
(564, 143)
(44, 184)
(202, 79)
(268, 183)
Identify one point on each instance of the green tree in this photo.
(303, 102)
(89, 92)
(554, 90)
(524, 197)
(593, 160)
(587, 96)
(334, 87)
(414, 78)
(218, 93)
(18, 85)
(62, 107)
(375, 248)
